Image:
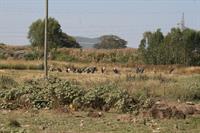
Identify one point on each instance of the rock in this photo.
(178, 114)
(160, 111)
(197, 107)
(187, 109)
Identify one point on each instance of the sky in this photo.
(128, 19)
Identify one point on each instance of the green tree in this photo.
(68, 41)
(150, 46)
(56, 38)
(177, 47)
(174, 45)
(111, 42)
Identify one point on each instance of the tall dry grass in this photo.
(128, 55)
(21, 65)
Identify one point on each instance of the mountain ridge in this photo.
(87, 42)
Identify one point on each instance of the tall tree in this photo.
(177, 47)
(56, 38)
(150, 46)
(111, 42)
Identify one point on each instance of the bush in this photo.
(54, 92)
(185, 89)
(62, 57)
(2, 56)
(32, 56)
(109, 97)
(190, 91)
(7, 82)
(43, 93)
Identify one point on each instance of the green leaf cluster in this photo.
(177, 47)
(54, 93)
(56, 37)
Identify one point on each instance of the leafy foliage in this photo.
(187, 90)
(60, 56)
(55, 92)
(109, 97)
(68, 41)
(32, 55)
(7, 82)
(177, 47)
(56, 38)
(41, 93)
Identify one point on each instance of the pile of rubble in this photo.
(162, 110)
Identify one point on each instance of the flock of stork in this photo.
(91, 69)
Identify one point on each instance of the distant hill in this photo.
(86, 42)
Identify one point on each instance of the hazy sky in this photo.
(128, 19)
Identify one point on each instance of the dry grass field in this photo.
(56, 122)
(180, 86)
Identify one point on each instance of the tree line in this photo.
(58, 39)
(177, 47)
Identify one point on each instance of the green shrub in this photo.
(190, 91)
(43, 93)
(32, 56)
(109, 97)
(2, 56)
(194, 92)
(55, 92)
(8, 105)
(186, 89)
(7, 82)
(63, 57)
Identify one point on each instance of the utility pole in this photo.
(183, 22)
(46, 40)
